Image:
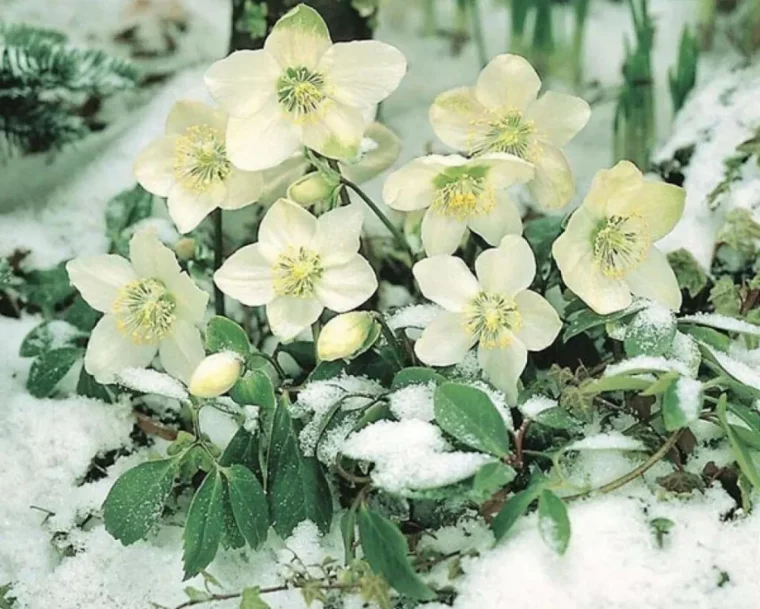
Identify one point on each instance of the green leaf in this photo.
(468, 414)
(88, 387)
(738, 447)
(297, 488)
(385, 549)
(511, 511)
(49, 368)
(327, 370)
(136, 501)
(650, 332)
(557, 418)
(243, 449)
(302, 352)
(223, 334)
(490, 478)
(586, 319)
(6, 276)
(348, 533)
(48, 288)
(231, 536)
(709, 336)
(81, 315)
(251, 599)
(681, 403)
(416, 376)
(127, 208)
(249, 505)
(255, 389)
(204, 525)
(553, 523)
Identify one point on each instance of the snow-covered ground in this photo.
(47, 446)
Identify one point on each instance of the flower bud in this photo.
(346, 335)
(185, 248)
(310, 189)
(215, 375)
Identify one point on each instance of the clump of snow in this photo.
(413, 316)
(413, 402)
(151, 381)
(646, 363)
(410, 455)
(251, 420)
(689, 392)
(469, 367)
(685, 349)
(722, 322)
(536, 404)
(613, 440)
(654, 317)
(737, 369)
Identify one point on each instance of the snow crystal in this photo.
(410, 455)
(690, 400)
(469, 367)
(722, 322)
(613, 440)
(151, 381)
(413, 402)
(251, 421)
(536, 404)
(655, 316)
(685, 349)
(739, 370)
(644, 363)
(414, 316)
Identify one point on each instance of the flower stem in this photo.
(218, 259)
(477, 33)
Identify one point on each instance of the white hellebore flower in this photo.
(150, 307)
(302, 90)
(459, 193)
(497, 311)
(606, 253)
(501, 114)
(189, 166)
(299, 266)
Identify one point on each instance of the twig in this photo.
(218, 259)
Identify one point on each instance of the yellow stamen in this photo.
(464, 197)
(296, 273)
(620, 244)
(200, 159)
(493, 318)
(300, 92)
(144, 311)
(506, 131)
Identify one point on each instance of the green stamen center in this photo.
(200, 159)
(506, 132)
(464, 197)
(492, 318)
(620, 244)
(296, 273)
(144, 311)
(300, 91)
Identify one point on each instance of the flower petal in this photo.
(344, 287)
(191, 301)
(99, 278)
(288, 316)
(109, 351)
(263, 140)
(441, 234)
(446, 281)
(553, 186)
(299, 38)
(411, 187)
(504, 367)
(188, 113)
(285, 225)
(247, 276)
(660, 204)
(336, 131)
(541, 324)
(187, 209)
(243, 82)
(182, 351)
(243, 188)
(558, 116)
(655, 279)
(151, 258)
(620, 183)
(445, 341)
(373, 161)
(337, 235)
(154, 166)
(363, 73)
(505, 169)
(503, 219)
(507, 269)
(509, 82)
(457, 118)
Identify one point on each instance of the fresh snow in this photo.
(689, 392)
(645, 363)
(722, 322)
(739, 370)
(613, 440)
(535, 405)
(151, 381)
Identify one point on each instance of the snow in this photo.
(612, 440)
(722, 322)
(737, 369)
(689, 392)
(410, 455)
(151, 381)
(646, 363)
(413, 316)
(413, 402)
(536, 404)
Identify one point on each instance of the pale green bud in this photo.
(346, 335)
(215, 375)
(310, 189)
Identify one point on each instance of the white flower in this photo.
(215, 375)
(606, 253)
(299, 266)
(150, 307)
(302, 90)
(496, 310)
(189, 166)
(459, 193)
(501, 114)
(347, 335)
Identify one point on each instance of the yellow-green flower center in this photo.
(296, 273)
(200, 159)
(300, 91)
(464, 196)
(620, 244)
(492, 319)
(506, 132)
(144, 311)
